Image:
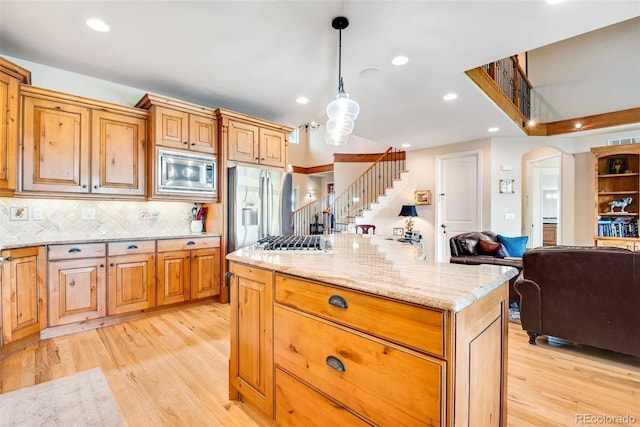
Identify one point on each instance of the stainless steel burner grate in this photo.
(288, 243)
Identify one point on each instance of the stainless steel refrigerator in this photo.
(260, 203)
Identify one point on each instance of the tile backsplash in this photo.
(48, 220)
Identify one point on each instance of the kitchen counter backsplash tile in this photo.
(62, 220)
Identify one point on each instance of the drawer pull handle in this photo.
(191, 243)
(132, 247)
(338, 301)
(335, 363)
(72, 250)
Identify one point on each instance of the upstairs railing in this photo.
(513, 82)
(322, 214)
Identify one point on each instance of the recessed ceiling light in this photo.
(450, 96)
(406, 145)
(532, 123)
(302, 100)
(494, 129)
(98, 25)
(578, 125)
(399, 60)
(555, 1)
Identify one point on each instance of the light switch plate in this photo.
(37, 214)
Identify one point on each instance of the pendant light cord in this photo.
(340, 86)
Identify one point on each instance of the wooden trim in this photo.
(148, 100)
(493, 91)
(597, 121)
(313, 169)
(228, 114)
(15, 70)
(55, 96)
(369, 158)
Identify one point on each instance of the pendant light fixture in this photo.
(343, 111)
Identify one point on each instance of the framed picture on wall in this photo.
(422, 197)
(506, 186)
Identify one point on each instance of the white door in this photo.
(459, 196)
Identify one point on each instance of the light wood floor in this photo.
(171, 369)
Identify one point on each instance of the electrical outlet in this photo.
(37, 214)
(147, 214)
(88, 214)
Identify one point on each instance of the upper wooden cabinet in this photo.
(80, 146)
(252, 140)
(617, 185)
(11, 75)
(180, 125)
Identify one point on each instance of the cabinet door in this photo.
(205, 273)
(56, 146)
(174, 277)
(243, 142)
(118, 154)
(272, 148)
(251, 362)
(131, 284)
(77, 290)
(24, 309)
(202, 134)
(8, 132)
(171, 128)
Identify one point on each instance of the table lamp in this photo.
(410, 212)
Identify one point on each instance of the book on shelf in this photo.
(617, 227)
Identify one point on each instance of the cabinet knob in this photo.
(186, 142)
(72, 283)
(84, 186)
(112, 265)
(101, 265)
(193, 143)
(95, 186)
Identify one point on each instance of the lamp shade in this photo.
(408, 210)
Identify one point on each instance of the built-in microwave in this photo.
(181, 172)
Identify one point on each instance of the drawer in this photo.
(417, 327)
(188, 243)
(299, 405)
(74, 251)
(378, 380)
(131, 247)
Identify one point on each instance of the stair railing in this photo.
(355, 199)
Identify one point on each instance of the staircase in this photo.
(355, 201)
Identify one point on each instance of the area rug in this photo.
(82, 399)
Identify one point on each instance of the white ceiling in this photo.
(257, 57)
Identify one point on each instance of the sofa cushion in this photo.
(515, 246)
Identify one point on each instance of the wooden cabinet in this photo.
(310, 353)
(617, 186)
(188, 269)
(80, 146)
(77, 282)
(251, 140)
(131, 282)
(22, 280)
(251, 361)
(180, 125)
(11, 75)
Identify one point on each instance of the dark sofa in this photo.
(466, 249)
(588, 295)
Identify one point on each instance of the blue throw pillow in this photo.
(515, 246)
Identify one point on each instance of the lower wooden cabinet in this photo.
(24, 310)
(77, 283)
(188, 269)
(131, 278)
(251, 361)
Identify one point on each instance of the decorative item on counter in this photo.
(622, 204)
(198, 213)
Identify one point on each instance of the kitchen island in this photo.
(368, 333)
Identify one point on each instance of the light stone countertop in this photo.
(28, 243)
(382, 266)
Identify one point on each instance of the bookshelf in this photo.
(617, 195)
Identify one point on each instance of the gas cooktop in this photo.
(290, 243)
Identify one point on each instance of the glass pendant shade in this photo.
(335, 138)
(343, 106)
